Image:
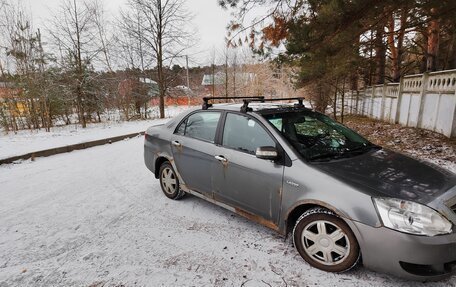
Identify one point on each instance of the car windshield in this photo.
(318, 137)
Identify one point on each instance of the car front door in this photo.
(240, 178)
(193, 150)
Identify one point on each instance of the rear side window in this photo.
(245, 134)
(202, 125)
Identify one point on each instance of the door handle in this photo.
(176, 143)
(221, 158)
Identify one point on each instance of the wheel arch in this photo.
(158, 162)
(299, 208)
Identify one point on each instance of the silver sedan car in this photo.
(343, 199)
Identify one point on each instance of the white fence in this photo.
(425, 101)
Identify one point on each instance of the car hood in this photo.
(391, 174)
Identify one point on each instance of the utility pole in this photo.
(188, 81)
(234, 74)
(281, 81)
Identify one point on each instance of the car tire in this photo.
(169, 182)
(325, 241)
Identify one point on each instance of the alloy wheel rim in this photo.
(168, 180)
(325, 242)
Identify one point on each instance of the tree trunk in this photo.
(48, 115)
(335, 100)
(67, 117)
(213, 80)
(145, 110)
(452, 60)
(380, 54)
(161, 87)
(342, 110)
(396, 51)
(161, 77)
(450, 56)
(354, 77)
(33, 114)
(433, 42)
(400, 43)
(80, 75)
(226, 75)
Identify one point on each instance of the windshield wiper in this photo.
(362, 148)
(345, 153)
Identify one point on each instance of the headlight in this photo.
(411, 217)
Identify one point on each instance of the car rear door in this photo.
(193, 149)
(240, 178)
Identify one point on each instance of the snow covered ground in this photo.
(97, 217)
(29, 141)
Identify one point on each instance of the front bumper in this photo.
(420, 258)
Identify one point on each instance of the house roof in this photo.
(148, 81)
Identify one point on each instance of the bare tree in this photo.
(3, 13)
(74, 31)
(28, 100)
(396, 43)
(160, 28)
(105, 39)
(131, 50)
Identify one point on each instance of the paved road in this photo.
(97, 218)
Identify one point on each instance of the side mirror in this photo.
(267, 152)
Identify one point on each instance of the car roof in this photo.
(261, 108)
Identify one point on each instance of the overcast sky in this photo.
(210, 21)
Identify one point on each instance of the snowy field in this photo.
(26, 141)
(97, 217)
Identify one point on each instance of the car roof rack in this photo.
(245, 107)
(299, 104)
(300, 100)
(207, 105)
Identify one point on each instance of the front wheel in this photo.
(169, 182)
(325, 241)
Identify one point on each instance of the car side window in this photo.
(201, 125)
(245, 134)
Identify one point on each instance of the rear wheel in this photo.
(169, 182)
(325, 241)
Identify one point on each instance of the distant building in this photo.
(152, 85)
(179, 95)
(217, 81)
(10, 102)
(7, 89)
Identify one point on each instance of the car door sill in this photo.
(236, 210)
